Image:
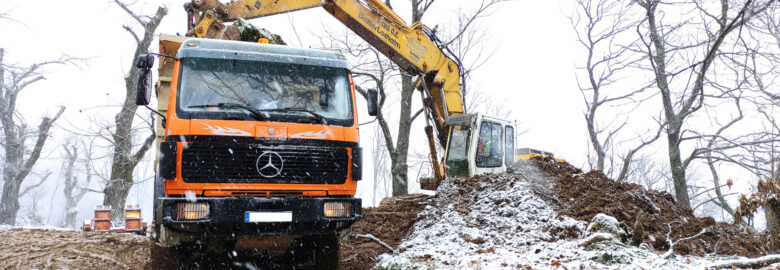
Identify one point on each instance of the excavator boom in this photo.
(413, 48)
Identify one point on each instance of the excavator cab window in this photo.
(458, 153)
(489, 145)
(509, 145)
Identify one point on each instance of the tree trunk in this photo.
(73, 193)
(674, 119)
(17, 168)
(676, 165)
(122, 167)
(772, 213)
(400, 169)
(115, 196)
(9, 202)
(594, 139)
(70, 214)
(9, 205)
(123, 159)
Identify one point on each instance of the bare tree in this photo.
(74, 189)
(124, 158)
(601, 27)
(31, 187)
(370, 67)
(763, 160)
(380, 157)
(608, 63)
(34, 193)
(758, 153)
(667, 51)
(746, 78)
(20, 160)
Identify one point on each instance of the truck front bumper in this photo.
(227, 216)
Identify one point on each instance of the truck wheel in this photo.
(326, 252)
(162, 257)
(191, 256)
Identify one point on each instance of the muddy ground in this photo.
(63, 249)
(54, 249)
(573, 193)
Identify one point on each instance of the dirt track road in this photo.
(50, 249)
(62, 249)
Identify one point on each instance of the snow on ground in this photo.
(499, 222)
(35, 227)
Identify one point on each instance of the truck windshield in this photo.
(280, 92)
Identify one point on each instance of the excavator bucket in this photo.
(428, 183)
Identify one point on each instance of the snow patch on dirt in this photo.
(501, 222)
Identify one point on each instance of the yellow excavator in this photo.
(474, 143)
(529, 153)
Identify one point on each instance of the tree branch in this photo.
(34, 186)
(376, 240)
(43, 134)
(135, 36)
(751, 263)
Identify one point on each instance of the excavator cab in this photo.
(477, 144)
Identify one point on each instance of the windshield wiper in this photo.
(257, 114)
(318, 116)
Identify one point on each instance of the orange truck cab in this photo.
(258, 140)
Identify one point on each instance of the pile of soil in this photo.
(583, 195)
(389, 222)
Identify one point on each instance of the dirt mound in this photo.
(496, 221)
(389, 222)
(58, 249)
(583, 195)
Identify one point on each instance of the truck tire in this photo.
(162, 257)
(326, 252)
(191, 256)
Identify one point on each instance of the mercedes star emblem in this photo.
(269, 164)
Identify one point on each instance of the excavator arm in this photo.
(413, 48)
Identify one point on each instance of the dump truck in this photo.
(259, 142)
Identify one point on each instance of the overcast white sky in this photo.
(531, 71)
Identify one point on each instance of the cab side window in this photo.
(509, 145)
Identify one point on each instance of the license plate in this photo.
(252, 217)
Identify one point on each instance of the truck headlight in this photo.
(337, 209)
(192, 211)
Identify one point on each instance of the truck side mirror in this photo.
(143, 94)
(372, 101)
